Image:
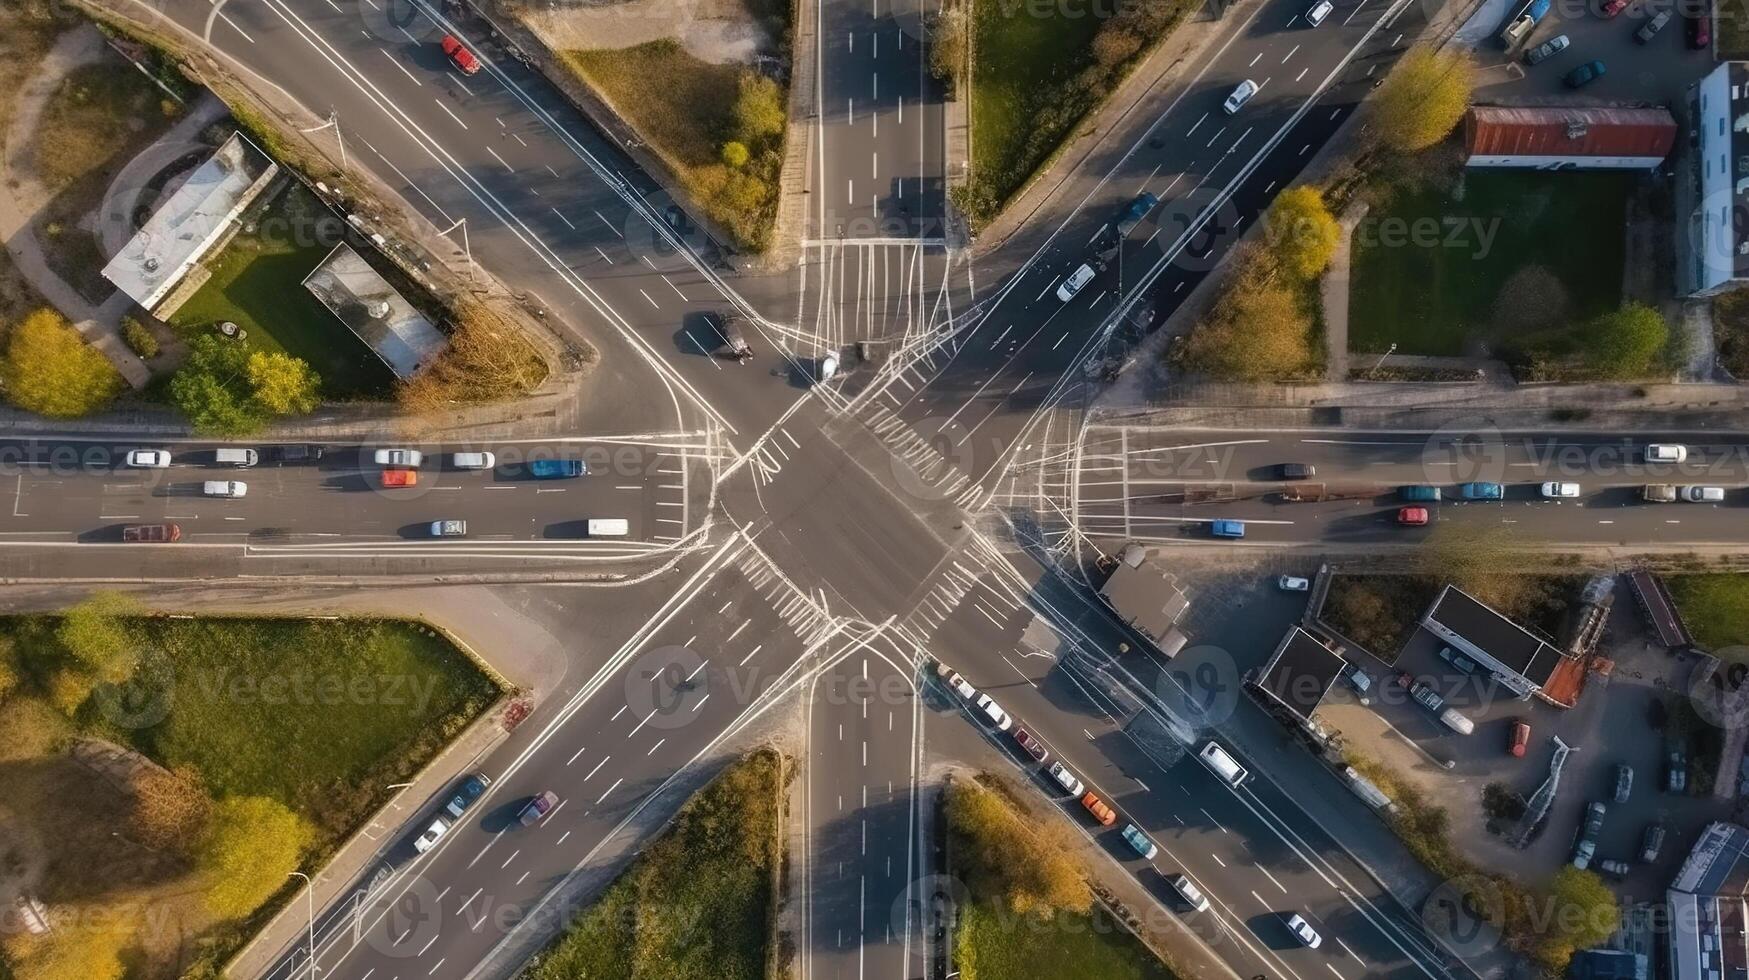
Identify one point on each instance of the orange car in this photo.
(400, 478)
(1101, 810)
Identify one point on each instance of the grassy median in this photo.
(698, 902)
(1716, 610)
(1030, 914)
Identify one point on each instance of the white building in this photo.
(1717, 238)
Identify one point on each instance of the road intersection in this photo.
(833, 538)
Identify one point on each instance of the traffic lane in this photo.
(603, 756)
(1611, 517)
(863, 740)
(342, 496)
(1454, 454)
(1025, 374)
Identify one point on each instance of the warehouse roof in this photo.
(1568, 131)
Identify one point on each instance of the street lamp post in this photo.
(310, 902)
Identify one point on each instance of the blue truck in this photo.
(556, 469)
(1227, 529)
(1418, 493)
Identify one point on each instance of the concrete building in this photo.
(1567, 137)
(1708, 912)
(1524, 661)
(195, 218)
(1717, 240)
(1296, 679)
(375, 311)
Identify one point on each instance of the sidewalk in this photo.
(22, 197)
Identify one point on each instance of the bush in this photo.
(139, 338)
(1302, 233)
(1024, 865)
(226, 390)
(487, 360)
(1628, 342)
(50, 370)
(250, 847)
(1259, 329)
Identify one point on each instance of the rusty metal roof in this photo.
(1568, 131)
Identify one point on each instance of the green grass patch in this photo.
(685, 109)
(1038, 69)
(320, 715)
(992, 945)
(1716, 609)
(1026, 56)
(257, 283)
(1427, 277)
(698, 902)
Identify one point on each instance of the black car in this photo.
(466, 793)
(1652, 843)
(1297, 471)
(295, 454)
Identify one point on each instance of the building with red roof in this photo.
(1567, 137)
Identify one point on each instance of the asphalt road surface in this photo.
(1141, 484)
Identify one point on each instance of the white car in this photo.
(225, 488)
(148, 459)
(473, 461)
(994, 712)
(1304, 932)
(1319, 11)
(424, 842)
(960, 687)
(1663, 452)
(1192, 894)
(1076, 281)
(399, 458)
(1555, 490)
(1240, 96)
(1701, 495)
(1293, 583)
(1066, 779)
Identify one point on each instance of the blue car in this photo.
(465, 794)
(1482, 491)
(1583, 75)
(1418, 494)
(1227, 529)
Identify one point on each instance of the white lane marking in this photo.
(458, 119)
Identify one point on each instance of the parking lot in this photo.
(1617, 720)
(1658, 72)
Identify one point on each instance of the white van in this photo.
(1222, 764)
(225, 488)
(473, 461)
(1076, 281)
(1457, 722)
(608, 527)
(235, 457)
(1701, 495)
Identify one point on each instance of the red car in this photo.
(1700, 32)
(1030, 744)
(1520, 738)
(1412, 516)
(463, 59)
(400, 478)
(1612, 7)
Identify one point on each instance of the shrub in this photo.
(139, 338)
(252, 844)
(50, 370)
(735, 154)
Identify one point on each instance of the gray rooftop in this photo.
(381, 317)
(181, 230)
(1144, 597)
(1301, 672)
(1514, 647)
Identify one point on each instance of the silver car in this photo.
(1546, 50)
(449, 529)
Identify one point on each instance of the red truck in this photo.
(152, 533)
